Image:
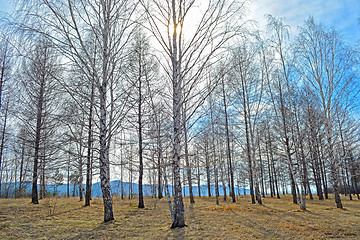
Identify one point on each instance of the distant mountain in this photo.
(116, 189)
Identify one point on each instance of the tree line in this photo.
(144, 91)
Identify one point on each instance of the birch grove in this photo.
(174, 98)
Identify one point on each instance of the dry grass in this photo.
(276, 219)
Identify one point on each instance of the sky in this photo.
(344, 15)
(5, 5)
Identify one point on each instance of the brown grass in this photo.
(275, 219)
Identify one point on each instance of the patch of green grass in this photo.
(275, 219)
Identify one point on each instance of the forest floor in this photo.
(275, 219)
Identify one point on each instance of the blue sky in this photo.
(4, 5)
(342, 14)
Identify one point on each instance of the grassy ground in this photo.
(275, 219)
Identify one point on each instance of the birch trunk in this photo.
(89, 148)
(179, 211)
(231, 173)
(187, 162)
(188, 168)
(207, 167)
(3, 140)
(141, 165)
(104, 159)
(216, 178)
(34, 195)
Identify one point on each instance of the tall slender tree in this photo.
(188, 53)
(68, 25)
(323, 64)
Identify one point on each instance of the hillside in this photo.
(116, 189)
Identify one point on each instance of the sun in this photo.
(171, 29)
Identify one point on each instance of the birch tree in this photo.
(142, 69)
(109, 22)
(188, 46)
(249, 91)
(37, 94)
(324, 65)
(282, 79)
(5, 67)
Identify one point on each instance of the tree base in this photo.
(179, 226)
(178, 223)
(109, 220)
